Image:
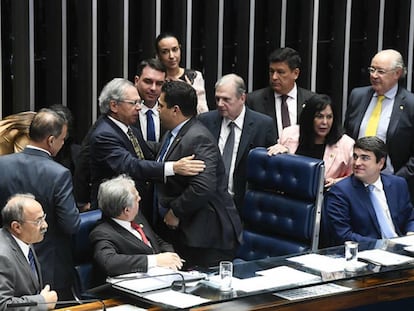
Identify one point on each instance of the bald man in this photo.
(395, 125)
(24, 223)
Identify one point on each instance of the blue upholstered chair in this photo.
(83, 253)
(282, 207)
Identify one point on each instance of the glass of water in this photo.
(226, 274)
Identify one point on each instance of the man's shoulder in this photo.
(260, 117)
(260, 92)
(208, 116)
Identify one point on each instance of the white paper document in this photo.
(384, 258)
(156, 278)
(125, 307)
(320, 262)
(273, 278)
(405, 240)
(312, 291)
(176, 299)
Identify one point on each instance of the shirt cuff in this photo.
(168, 169)
(152, 261)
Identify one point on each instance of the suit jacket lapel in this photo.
(126, 234)
(366, 203)
(391, 199)
(269, 103)
(179, 136)
(363, 104)
(245, 136)
(397, 111)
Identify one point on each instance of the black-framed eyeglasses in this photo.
(379, 71)
(38, 222)
(137, 102)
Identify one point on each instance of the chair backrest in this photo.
(83, 252)
(282, 206)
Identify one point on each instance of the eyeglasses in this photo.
(37, 222)
(137, 102)
(379, 71)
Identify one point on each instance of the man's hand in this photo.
(171, 220)
(169, 260)
(50, 297)
(187, 166)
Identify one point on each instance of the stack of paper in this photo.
(384, 258)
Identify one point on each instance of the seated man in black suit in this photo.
(124, 242)
(20, 279)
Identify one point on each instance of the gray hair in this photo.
(115, 194)
(237, 81)
(14, 209)
(397, 61)
(113, 90)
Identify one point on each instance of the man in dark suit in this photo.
(199, 216)
(118, 247)
(149, 79)
(368, 205)
(252, 129)
(20, 279)
(396, 113)
(34, 171)
(116, 147)
(284, 69)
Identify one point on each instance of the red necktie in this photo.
(141, 232)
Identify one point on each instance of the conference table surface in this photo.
(373, 283)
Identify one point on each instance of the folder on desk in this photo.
(155, 279)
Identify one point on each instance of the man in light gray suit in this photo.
(34, 171)
(23, 224)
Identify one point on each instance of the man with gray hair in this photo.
(24, 223)
(34, 171)
(119, 148)
(250, 129)
(124, 242)
(386, 109)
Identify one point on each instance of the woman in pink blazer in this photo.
(319, 135)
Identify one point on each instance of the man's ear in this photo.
(50, 140)
(16, 227)
(113, 106)
(136, 80)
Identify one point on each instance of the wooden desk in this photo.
(388, 286)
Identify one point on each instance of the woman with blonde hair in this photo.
(14, 132)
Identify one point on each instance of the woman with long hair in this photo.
(319, 135)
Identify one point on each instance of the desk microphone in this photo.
(67, 302)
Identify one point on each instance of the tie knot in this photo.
(231, 125)
(371, 188)
(149, 112)
(284, 97)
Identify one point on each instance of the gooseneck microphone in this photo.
(62, 302)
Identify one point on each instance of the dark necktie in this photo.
(164, 147)
(386, 230)
(285, 111)
(150, 126)
(141, 232)
(30, 256)
(228, 149)
(135, 144)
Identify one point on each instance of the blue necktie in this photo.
(150, 126)
(386, 230)
(32, 262)
(164, 147)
